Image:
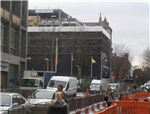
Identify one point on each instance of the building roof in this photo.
(91, 23)
(70, 29)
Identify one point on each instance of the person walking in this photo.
(58, 105)
(64, 95)
(110, 96)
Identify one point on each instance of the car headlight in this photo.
(4, 112)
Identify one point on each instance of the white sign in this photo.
(4, 66)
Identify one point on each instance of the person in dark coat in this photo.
(64, 95)
(110, 97)
(58, 105)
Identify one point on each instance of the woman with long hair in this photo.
(58, 105)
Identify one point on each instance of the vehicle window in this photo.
(20, 100)
(14, 99)
(30, 82)
(67, 86)
(5, 100)
(54, 83)
(43, 94)
(41, 84)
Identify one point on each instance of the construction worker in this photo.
(87, 92)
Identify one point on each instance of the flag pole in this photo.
(56, 56)
(91, 66)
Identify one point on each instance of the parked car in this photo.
(69, 84)
(147, 85)
(13, 102)
(114, 86)
(41, 96)
(96, 86)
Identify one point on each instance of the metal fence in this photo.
(73, 105)
(79, 103)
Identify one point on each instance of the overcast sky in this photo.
(128, 20)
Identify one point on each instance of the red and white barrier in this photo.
(92, 109)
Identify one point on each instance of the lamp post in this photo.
(28, 58)
(47, 63)
(79, 70)
(72, 63)
(103, 56)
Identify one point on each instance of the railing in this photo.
(79, 103)
(73, 104)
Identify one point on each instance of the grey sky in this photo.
(128, 20)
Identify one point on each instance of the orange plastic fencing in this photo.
(136, 96)
(127, 107)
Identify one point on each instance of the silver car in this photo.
(41, 96)
(13, 103)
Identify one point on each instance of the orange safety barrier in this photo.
(139, 95)
(127, 107)
(136, 96)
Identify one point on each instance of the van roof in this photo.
(31, 78)
(96, 81)
(63, 78)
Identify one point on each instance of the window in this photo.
(64, 36)
(2, 37)
(14, 100)
(71, 36)
(20, 100)
(13, 41)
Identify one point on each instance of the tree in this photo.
(121, 61)
(146, 57)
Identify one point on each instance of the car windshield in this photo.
(29, 82)
(95, 86)
(43, 94)
(147, 85)
(5, 101)
(113, 85)
(55, 83)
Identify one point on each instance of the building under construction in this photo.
(77, 42)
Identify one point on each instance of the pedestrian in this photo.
(87, 92)
(60, 89)
(110, 97)
(3, 90)
(58, 105)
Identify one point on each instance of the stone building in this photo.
(13, 41)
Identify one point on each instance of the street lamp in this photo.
(72, 63)
(28, 58)
(79, 70)
(47, 63)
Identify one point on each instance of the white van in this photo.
(95, 86)
(69, 84)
